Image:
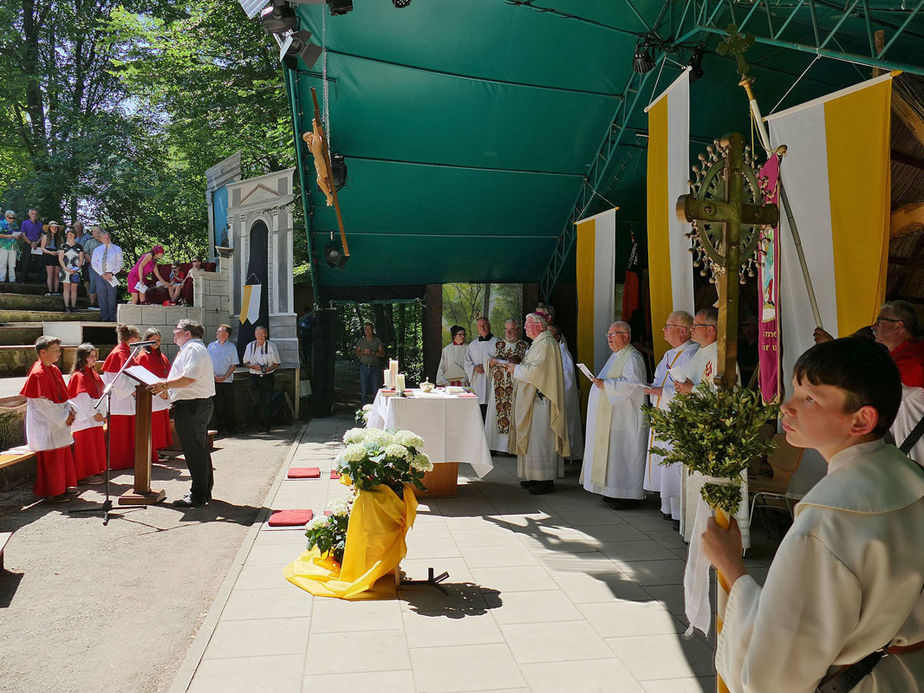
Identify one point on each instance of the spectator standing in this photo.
(85, 388)
(70, 260)
(262, 358)
(49, 247)
(33, 262)
(223, 353)
(369, 349)
(49, 415)
(153, 359)
(146, 265)
(191, 384)
(9, 240)
(107, 263)
(90, 242)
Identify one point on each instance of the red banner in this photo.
(768, 341)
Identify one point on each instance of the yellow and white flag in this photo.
(596, 271)
(670, 266)
(250, 303)
(836, 173)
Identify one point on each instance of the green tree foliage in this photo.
(464, 304)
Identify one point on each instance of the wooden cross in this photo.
(731, 212)
(736, 45)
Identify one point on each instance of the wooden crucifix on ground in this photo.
(731, 212)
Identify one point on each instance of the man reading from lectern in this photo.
(539, 426)
(191, 384)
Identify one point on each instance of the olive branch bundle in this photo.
(715, 433)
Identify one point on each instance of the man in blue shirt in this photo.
(224, 360)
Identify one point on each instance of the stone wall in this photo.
(211, 290)
(165, 318)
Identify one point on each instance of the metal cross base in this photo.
(433, 581)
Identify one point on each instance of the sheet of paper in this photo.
(141, 288)
(113, 281)
(142, 374)
(36, 251)
(586, 371)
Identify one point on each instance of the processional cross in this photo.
(727, 216)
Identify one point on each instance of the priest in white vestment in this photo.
(617, 434)
(538, 428)
(846, 579)
(666, 480)
(510, 349)
(572, 396)
(451, 370)
(704, 366)
(477, 355)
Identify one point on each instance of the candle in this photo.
(400, 386)
(386, 375)
(393, 372)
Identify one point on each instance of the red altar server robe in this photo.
(85, 387)
(121, 410)
(47, 409)
(156, 362)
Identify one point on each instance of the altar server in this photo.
(122, 400)
(846, 579)
(451, 370)
(675, 363)
(477, 355)
(85, 387)
(49, 415)
(572, 396)
(153, 359)
(510, 349)
(539, 428)
(614, 450)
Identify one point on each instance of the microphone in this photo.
(137, 345)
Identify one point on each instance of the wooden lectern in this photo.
(141, 493)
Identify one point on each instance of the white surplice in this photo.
(122, 399)
(628, 431)
(83, 403)
(667, 480)
(909, 413)
(572, 403)
(845, 581)
(452, 364)
(45, 424)
(477, 354)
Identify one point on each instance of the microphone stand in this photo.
(106, 508)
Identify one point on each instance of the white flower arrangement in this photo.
(395, 450)
(354, 435)
(354, 452)
(421, 463)
(339, 507)
(316, 523)
(408, 439)
(373, 457)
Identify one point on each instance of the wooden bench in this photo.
(4, 538)
(8, 459)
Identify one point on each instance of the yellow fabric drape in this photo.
(375, 545)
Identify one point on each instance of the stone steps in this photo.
(22, 288)
(21, 333)
(8, 316)
(32, 302)
(16, 360)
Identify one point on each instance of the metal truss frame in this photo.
(768, 21)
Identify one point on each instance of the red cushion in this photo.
(304, 473)
(334, 474)
(291, 518)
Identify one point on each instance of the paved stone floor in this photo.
(548, 593)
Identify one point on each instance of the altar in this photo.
(449, 423)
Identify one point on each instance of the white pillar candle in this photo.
(400, 386)
(386, 378)
(393, 367)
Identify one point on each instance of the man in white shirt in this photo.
(107, 262)
(191, 384)
(478, 353)
(224, 360)
(262, 359)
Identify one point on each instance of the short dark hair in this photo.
(125, 332)
(192, 326)
(83, 353)
(43, 342)
(863, 369)
(711, 315)
(905, 312)
(455, 329)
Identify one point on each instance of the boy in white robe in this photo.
(451, 370)
(847, 578)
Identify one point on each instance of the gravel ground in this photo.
(88, 607)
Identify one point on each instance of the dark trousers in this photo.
(108, 296)
(261, 390)
(32, 264)
(368, 383)
(191, 417)
(224, 408)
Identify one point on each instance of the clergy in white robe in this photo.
(572, 396)
(538, 429)
(615, 446)
(910, 413)
(510, 349)
(666, 480)
(480, 351)
(846, 579)
(451, 370)
(704, 366)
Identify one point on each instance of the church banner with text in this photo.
(768, 273)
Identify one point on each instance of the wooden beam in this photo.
(908, 116)
(907, 219)
(907, 160)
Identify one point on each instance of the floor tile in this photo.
(619, 618)
(378, 681)
(671, 596)
(536, 607)
(614, 532)
(587, 676)
(465, 668)
(586, 588)
(279, 555)
(514, 578)
(431, 548)
(554, 642)
(705, 684)
(280, 674)
(668, 572)
(590, 516)
(262, 576)
(258, 637)
(436, 629)
(359, 651)
(462, 598)
(663, 656)
(488, 536)
(636, 550)
(496, 556)
(339, 615)
(274, 602)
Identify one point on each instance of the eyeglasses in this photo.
(613, 334)
(667, 326)
(703, 324)
(879, 320)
